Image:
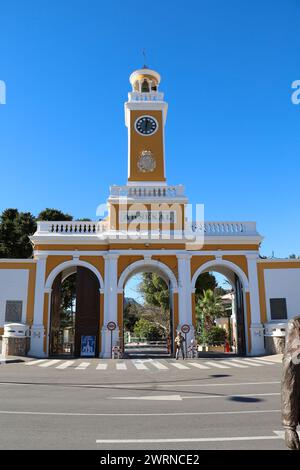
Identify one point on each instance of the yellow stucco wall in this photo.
(153, 142)
(239, 260)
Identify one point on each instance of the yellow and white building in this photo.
(105, 254)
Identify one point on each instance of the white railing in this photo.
(152, 96)
(225, 228)
(147, 191)
(72, 227)
(95, 228)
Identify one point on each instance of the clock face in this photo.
(146, 125)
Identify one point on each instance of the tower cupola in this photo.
(144, 80)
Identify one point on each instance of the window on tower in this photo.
(145, 86)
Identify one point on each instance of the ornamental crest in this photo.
(146, 162)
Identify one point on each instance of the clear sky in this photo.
(232, 134)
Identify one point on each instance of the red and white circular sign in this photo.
(111, 325)
(185, 328)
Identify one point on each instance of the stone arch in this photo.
(214, 264)
(72, 263)
(148, 265)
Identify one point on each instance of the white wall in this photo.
(13, 286)
(281, 283)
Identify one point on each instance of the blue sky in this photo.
(232, 134)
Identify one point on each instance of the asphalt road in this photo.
(140, 405)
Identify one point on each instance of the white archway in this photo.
(72, 263)
(213, 266)
(148, 265)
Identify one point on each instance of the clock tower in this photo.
(145, 118)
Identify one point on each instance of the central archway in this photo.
(156, 312)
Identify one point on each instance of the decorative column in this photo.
(37, 330)
(256, 327)
(185, 293)
(110, 303)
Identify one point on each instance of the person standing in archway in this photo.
(179, 342)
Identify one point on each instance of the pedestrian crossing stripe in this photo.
(198, 365)
(66, 364)
(49, 363)
(150, 364)
(101, 366)
(178, 365)
(218, 365)
(83, 365)
(121, 366)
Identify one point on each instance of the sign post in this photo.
(111, 326)
(185, 330)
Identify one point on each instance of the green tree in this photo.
(54, 215)
(67, 303)
(131, 315)
(204, 282)
(155, 291)
(15, 229)
(208, 307)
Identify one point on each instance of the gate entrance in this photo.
(220, 313)
(75, 314)
(147, 316)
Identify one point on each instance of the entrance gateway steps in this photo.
(151, 364)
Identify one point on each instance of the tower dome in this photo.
(144, 80)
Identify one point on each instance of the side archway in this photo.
(241, 305)
(69, 264)
(74, 310)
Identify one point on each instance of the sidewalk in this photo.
(272, 357)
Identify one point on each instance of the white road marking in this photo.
(159, 365)
(33, 363)
(136, 415)
(121, 366)
(198, 365)
(193, 397)
(179, 365)
(221, 384)
(231, 363)
(82, 366)
(277, 435)
(151, 398)
(218, 365)
(235, 395)
(246, 362)
(261, 361)
(49, 363)
(139, 365)
(101, 366)
(64, 365)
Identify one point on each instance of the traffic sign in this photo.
(111, 325)
(185, 329)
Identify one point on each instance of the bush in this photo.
(145, 329)
(215, 335)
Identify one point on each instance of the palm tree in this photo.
(208, 307)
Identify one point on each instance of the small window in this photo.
(13, 311)
(278, 309)
(145, 86)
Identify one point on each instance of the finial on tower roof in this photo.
(144, 55)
